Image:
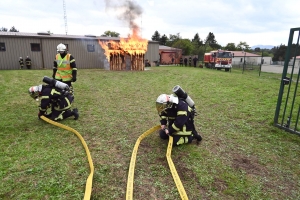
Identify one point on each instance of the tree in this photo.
(279, 54)
(185, 45)
(163, 40)
(13, 29)
(211, 41)
(197, 41)
(156, 36)
(173, 39)
(3, 29)
(243, 46)
(257, 49)
(197, 44)
(110, 34)
(230, 47)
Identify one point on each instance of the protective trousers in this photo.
(177, 139)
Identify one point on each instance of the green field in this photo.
(242, 155)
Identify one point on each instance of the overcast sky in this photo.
(257, 22)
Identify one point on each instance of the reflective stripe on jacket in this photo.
(28, 62)
(178, 118)
(21, 62)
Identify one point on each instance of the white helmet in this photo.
(20, 57)
(35, 90)
(61, 48)
(165, 101)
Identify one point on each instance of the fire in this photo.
(115, 52)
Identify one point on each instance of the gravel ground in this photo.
(278, 69)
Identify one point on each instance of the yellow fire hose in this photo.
(89, 181)
(129, 192)
(176, 178)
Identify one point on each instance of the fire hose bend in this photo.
(129, 192)
(89, 182)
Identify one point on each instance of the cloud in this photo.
(255, 21)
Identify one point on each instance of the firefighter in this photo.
(185, 61)
(55, 103)
(181, 61)
(21, 62)
(195, 59)
(190, 61)
(64, 68)
(176, 119)
(28, 62)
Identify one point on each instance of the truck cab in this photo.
(220, 59)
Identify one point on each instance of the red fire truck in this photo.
(219, 59)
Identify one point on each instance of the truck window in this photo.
(224, 55)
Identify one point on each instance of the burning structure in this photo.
(128, 53)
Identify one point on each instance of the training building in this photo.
(250, 58)
(167, 54)
(41, 48)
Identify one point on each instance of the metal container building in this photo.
(41, 48)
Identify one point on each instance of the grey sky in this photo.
(257, 22)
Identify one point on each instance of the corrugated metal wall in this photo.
(21, 47)
(77, 48)
(15, 48)
(152, 53)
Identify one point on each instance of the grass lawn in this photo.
(242, 155)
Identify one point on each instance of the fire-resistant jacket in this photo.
(178, 118)
(53, 98)
(28, 61)
(64, 67)
(21, 63)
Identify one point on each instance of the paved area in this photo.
(278, 69)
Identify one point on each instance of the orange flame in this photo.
(132, 45)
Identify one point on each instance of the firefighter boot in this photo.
(197, 136)
(75, 113)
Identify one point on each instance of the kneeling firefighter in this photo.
(56, 101)
(177, 117)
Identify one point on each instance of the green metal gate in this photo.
(288, 103)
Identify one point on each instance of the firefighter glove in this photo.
(74, 74)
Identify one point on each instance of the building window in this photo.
(241, 59)
(91, 48)
(35, 47)
(2, 46)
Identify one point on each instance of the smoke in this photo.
(128, 11)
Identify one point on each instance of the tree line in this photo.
(12, 29)
(197, 46)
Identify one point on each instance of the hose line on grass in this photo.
(176, 178)
(89, 181)
(129, 192)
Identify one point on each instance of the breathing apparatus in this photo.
(183, 95)
(58, 84)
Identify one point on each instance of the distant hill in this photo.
(263, 46)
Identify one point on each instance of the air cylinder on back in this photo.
(55, 83)
(183, 95)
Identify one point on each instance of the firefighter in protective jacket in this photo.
(55, 103)
(21, 62)
(176, 119)
(28, 62)
(64, 68)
